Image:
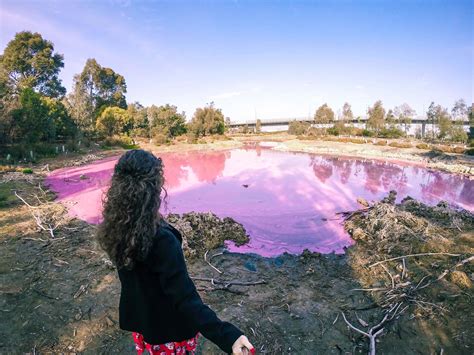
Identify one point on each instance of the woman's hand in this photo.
(242, 346)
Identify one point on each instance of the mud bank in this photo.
(452, 163)
(61, 294)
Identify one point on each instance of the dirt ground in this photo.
(61, 294)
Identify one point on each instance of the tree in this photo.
(347, 115)
(258, 126)
(166, 120)
(29, 61)
(64, 126)
(207, 120)
(95, 88)
(140, 125)
(431, 117)
(444, 122)
(324, 114)
(390, 118)
(405, 114)
(376, 116)
(111, 121)
(459, 110)
(30, 122)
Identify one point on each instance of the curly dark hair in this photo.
(131, 208)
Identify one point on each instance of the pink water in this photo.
(291, 198)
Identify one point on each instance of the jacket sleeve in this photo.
(169, 263)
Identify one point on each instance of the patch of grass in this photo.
(382, 143)
(400, 145)
(27, 171)
(449, 149)
(423, 146)
(7, 197)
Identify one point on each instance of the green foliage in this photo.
(298, 127)
(64, 126)
(457, 134)
(444, 122)
(391, 132)
(27, 171)
(207, 120)
(166, 120)
(29, 63)
(95, 88)
(31, 122)
(139, 119)
(376, 116)
(324, 114)
(368, 133)
(112, 121)
(119, 141)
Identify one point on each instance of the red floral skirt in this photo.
(172, 348)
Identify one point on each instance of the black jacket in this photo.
(160, 301)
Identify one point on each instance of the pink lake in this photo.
(290, 202)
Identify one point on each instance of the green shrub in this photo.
(458, 134)
(119, 141)
(27, 171)
(367, 133)
(334, 131)
(469, 151)
(391, 132)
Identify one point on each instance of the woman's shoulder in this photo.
(166, 236)
(164, 228)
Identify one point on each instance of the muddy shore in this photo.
(61, 294)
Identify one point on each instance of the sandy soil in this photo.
(61, 294)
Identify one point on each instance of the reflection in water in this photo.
(291, 199)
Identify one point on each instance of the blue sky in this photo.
(269, 58)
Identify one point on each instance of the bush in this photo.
(27, 171)
(458, 134)
(315, 132)
(469, 151)
(160, 138)
(381, 142)
(334, 131)
(298, 128)
(423, 146)
(449, 149)
(368, 133)
(191, 137)
(119, 141)
(391, 132)
(400, 145)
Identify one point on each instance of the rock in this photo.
(460, 279)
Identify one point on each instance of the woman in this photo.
(159, 302)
